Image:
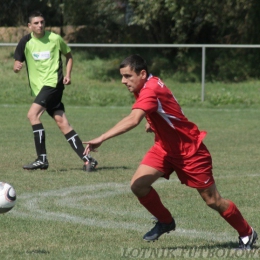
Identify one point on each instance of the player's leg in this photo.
(72, 137)
(56, 110)
(226, 208)
(141, 186)
(34, 114)
(229, 211)
(196, 172)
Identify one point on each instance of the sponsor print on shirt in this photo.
(43, 55)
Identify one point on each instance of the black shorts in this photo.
(50, 98)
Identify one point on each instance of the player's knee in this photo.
(136, 188)
(31, 116)
(213, 203)
(60, 122)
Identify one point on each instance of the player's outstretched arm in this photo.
(123, 126)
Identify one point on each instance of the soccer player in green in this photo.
(41, 51)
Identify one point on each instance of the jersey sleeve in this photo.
(19, 51)
(146, 101)
(63, 46)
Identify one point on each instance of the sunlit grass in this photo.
(96, 82)
(65, 213)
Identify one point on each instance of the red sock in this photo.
(153, 204)
(233, 216)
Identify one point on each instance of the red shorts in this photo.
(195, 171)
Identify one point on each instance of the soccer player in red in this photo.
(178, 147)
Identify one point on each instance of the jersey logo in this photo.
(44, 55)
(160, 83)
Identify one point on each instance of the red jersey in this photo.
(173, 131)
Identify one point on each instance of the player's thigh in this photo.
(145, 176)
(35, 110)
(156, 158)
(50, 98)
(196, 171)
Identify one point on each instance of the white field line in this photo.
(76, 197)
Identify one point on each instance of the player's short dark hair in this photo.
(136, 63)
(35, 14)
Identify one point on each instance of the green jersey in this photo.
(43, 59)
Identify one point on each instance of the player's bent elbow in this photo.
(135, 123)
(138, 121)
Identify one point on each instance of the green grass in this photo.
(65, 213)
(96, 82)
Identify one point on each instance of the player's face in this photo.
(37, 26)
(133, 81)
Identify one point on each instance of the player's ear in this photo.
(143, 74)
(29, 25)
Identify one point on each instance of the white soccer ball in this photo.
(7, 197)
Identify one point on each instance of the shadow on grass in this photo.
(99, 168)
(38, 251)
(226, 245)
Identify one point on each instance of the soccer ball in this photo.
(7, 197)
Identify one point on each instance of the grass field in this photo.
(65, 213)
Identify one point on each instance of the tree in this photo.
(16, 12)
(196, 21)
(202, 21)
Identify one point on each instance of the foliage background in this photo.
(159, 21)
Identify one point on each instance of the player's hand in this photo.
(66, 80)
(17, 66)
(148, 128)
(92, 145)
